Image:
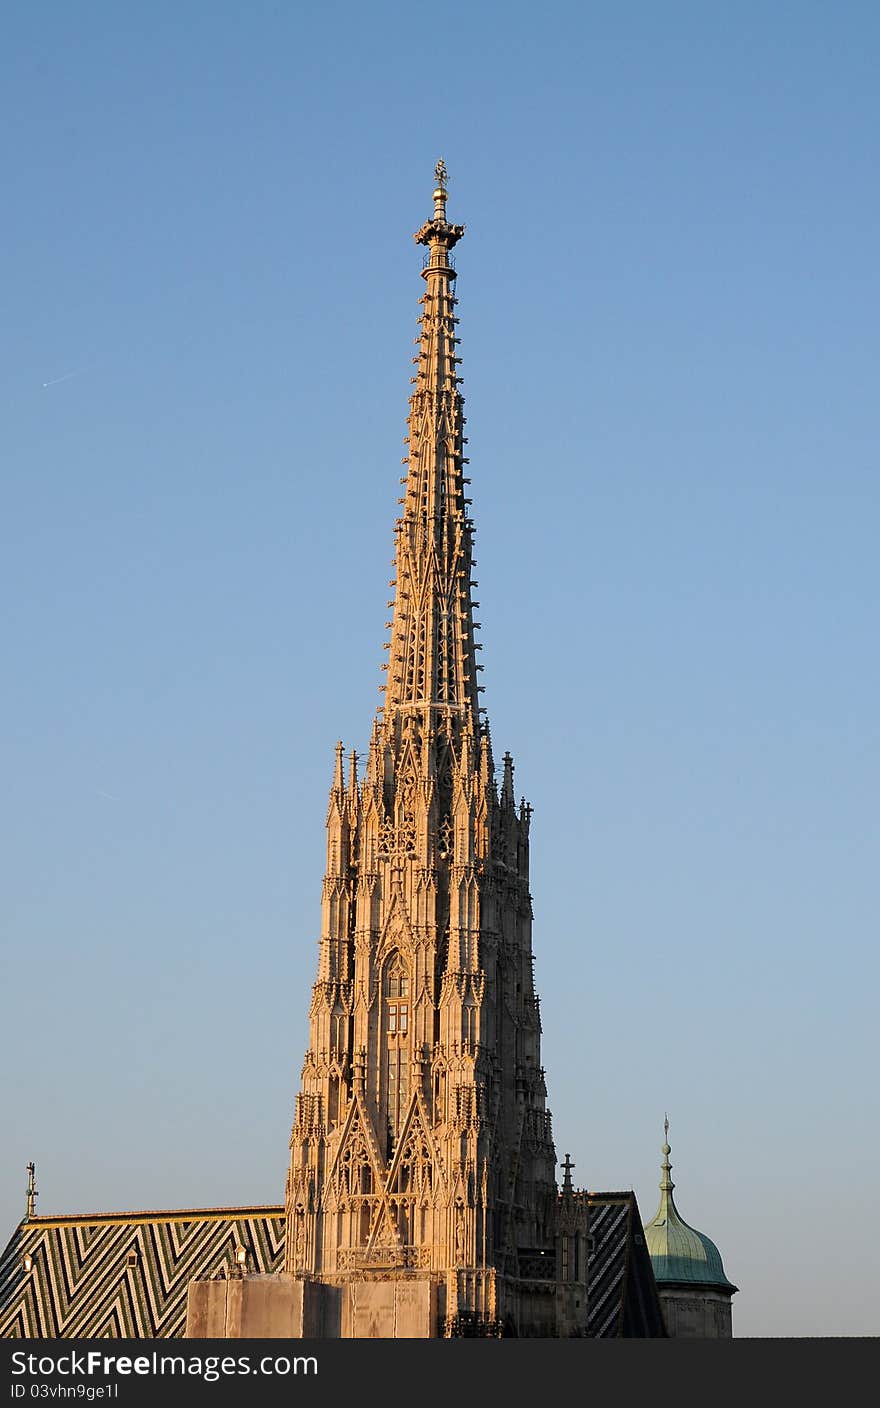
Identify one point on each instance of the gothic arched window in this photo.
(396, 1003)
(397, 999)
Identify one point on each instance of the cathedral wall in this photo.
(536, 1314)
(286, 1307)
(697, 1314)
(206, 1310)
(390, 1310)
(275, 1307)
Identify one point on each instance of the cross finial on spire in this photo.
(441, 173)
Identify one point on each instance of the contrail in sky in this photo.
(66, 377)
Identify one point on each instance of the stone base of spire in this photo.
(291, 1307)
(380, 1305)
(279, 1307)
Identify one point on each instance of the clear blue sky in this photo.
(669, 302)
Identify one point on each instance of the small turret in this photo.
(694, 1291)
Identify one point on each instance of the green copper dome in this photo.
(679, 1253)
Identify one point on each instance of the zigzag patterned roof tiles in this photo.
(125, 1275)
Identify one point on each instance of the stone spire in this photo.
(421, 1141)
(432, 665)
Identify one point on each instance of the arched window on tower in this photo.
(469, 1022)
(440, 1094)
(396, 995)
(339, 1033)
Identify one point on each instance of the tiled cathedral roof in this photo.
(124, 1275)
(622, 1294)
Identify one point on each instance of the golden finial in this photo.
(441, 176)
(666, 1166)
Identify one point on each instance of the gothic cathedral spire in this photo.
(421, 1148)
(432, 667)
